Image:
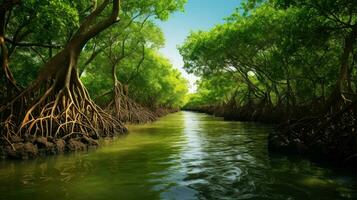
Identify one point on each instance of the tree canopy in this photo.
(283, 54)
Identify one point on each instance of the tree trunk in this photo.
(117, 93)
(344, 75)
(57, 104)
(10, 87)
(337, 99)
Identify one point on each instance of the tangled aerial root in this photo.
(127, 110)
(333, 136)
(131, 112)
(67, 115)
(70, 114)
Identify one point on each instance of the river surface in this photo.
(182, 156)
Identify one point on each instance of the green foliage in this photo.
(40, 23)
(132, 48)
(159, 84)
(39, 29)
(282, 52)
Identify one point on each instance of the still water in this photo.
(182, 156)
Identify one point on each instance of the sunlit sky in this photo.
(198, 15)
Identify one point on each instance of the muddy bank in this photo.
(332, 137)
(29, 147)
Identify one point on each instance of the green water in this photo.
(182, 156)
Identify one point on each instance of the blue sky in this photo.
(198, 15)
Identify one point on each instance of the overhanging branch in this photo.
(29, 44)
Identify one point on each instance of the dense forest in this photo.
(74, 72)
(178, 99)
(77, 71)
(290, 62)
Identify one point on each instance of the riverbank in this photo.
(29, 147)
(331, 138)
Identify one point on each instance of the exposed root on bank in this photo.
(60, 114)
(127, 110)
(332, 136)
(56, 109)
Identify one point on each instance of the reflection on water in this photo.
(183, 156)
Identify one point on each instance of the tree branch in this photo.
(29, 44)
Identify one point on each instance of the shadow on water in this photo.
(182, 156)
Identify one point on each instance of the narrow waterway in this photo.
(182, 156)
